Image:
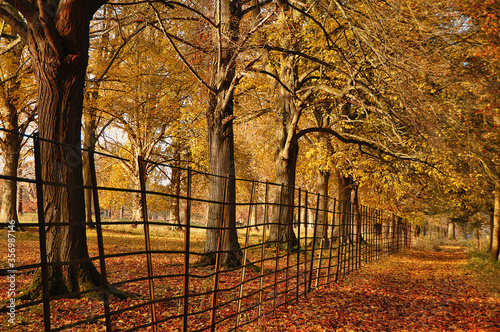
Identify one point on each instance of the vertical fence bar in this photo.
(313, 244)
(41, 232)
(187, 239)
(306, 217)
(289, 227)
(278, 246)
(374, 234)
(371, 230)
(245, 253)
(365, 232)
(348, 242)
(339, 250)
(352, 246)
(345, 237)
(142, 180)
(218, 258)
(324, 235)
(298, 246)
(383, 234)
(263, 248)
(100, 240)
(358, 218)
(379, 235)
(368, 233)
(321, 250)
(331, 242)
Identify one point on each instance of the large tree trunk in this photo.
(451, 231)
(356, 220)
(220, 117)
(345, 186)
(495, 234)
(322, 179)
(281, 228)
(137, 208)
(59, 61)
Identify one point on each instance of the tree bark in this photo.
(281, 228)
(89, 140)
(220, 117)
(10, 146)
(345, 186)
(175, 219)
(356, 220)
(451, 231)
(322, 179)
(11, 150)
(58, 41)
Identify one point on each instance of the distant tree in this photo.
(481, 90)
(17, 112)
(221, 40)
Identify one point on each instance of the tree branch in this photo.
(50, 31)
(24, 7)
(184, 60)
(14, 20)
(359, 142)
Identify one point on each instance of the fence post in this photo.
(100, 241)
(331, 240)
(313, 244)
(306, 216)
(218, 257)
(142, 180)
(278, 246)
(340, 253)
(263, 247)
(289, 228)
(245, 253)
(41, 232)
(187, 236)
(298, 245)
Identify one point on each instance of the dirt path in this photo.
(413, 291)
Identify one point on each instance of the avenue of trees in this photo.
(391, 103)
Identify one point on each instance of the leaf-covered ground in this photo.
(412, 291)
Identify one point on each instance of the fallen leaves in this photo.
(411, 291)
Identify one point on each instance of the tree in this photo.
(104, 51)
(479, 133)
(16, 114)
(146, 101)
(221, 40)
(57, 36)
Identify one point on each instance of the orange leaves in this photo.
(414, 291)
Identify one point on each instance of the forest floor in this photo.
(416, 290)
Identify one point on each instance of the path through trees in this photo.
(411, 291)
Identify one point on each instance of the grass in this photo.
(486, 270)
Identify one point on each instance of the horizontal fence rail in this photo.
(162, 273)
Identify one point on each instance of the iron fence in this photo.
(155, 265)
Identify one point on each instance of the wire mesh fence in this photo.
(184, 270)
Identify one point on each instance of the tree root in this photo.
(71, 280)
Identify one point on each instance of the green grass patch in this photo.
(486, 270)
